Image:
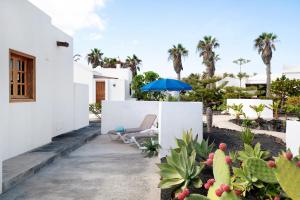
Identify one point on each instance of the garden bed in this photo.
(262, 124)
(234, 143)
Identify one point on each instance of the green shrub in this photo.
(238, 110)
(151, 147)
(247, 136)
(95, 108)
(258, 109)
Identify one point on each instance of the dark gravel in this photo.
(234, 143)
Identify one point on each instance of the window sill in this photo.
(21, 100)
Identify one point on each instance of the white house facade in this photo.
(37, 95)
(104, 83)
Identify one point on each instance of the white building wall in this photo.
(25, 126)
(250, 113)
(81, 105)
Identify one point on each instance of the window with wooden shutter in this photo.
(21, 77)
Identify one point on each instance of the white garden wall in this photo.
(173, 118)
(128, 114)
(292, 136)
(250, 113)
(176, 117)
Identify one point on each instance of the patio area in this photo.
(101, 169)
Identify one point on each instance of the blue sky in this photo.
(148, 28)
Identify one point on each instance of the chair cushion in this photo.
(120, 129)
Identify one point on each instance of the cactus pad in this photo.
(260, 170)
(288, 175)
(221, 168)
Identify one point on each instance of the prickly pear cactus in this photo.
(288, 176)
(260, 170)
(222, 176)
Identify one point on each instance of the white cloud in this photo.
(94, 36)
(135, 42)
(73, 15)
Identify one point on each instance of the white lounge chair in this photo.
(146, 124)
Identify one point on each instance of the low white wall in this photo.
(176, 117)
(250, 113)
(81, 105)
(292, 136)
(128, 114)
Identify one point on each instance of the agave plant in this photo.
(151, 147)
(180, 171)
(258, 109)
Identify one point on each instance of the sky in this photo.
(148, 28)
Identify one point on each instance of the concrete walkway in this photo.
(99, 170)
(222, 121)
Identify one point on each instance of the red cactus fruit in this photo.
(219, 192)
(277, 198)
(228, 160)
(186, 192)
(223, 146)
(225, 188)
(180, 196)
(211, 155)
(207, 185)
(289, 155)
(298, 164)
(211, 181)
(209, 162)
(271, 164)
(237, 192)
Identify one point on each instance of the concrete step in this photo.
(19, 168)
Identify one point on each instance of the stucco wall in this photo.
(81, 105)
(25, 126)
(292, 136)
(176, 117)
(250, 113)
(128, 114)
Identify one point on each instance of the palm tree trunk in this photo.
(268, 70)
(178, 76)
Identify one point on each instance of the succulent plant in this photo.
(250, 152)
(180, 170)
(259, 168)
(288, 175)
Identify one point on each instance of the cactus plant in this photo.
(260, 170)
(288, 176)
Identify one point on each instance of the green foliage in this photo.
(191, 144)
(203, 149)
(288, 176)
(95, 108)
(238, 110)
(258, 109)
(283, 87)
(151, 147)
(232, 92)
(247, 123)
(142, 79)
(180, 171)
(247, 136)
(250, 152)
(201, 90)
(275, 107)
(260, 170)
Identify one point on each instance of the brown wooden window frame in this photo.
(22, 82)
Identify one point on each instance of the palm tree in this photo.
(109, 63)
(206, 49)
(176, 53)
(265, 44)
(95, 58)
(240, 62)
(133, 63)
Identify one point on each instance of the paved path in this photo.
(99, 170)
(222, 121)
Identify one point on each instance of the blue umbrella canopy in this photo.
(166, 85)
